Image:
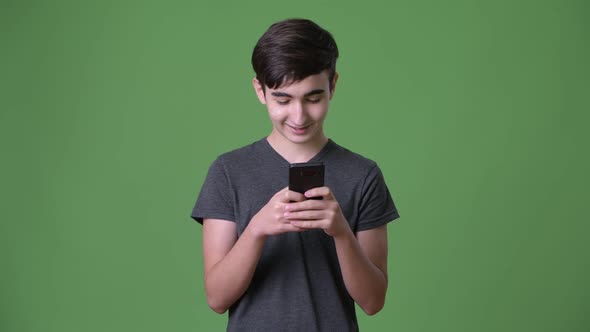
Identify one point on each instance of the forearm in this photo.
(228, 279)
(365, 282)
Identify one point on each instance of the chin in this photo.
(296, 139)
(310, 136)
(300, 139)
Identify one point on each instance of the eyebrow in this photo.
(310, 93)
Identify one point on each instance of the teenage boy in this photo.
(276, 259)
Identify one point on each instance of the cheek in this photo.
(276, 114)
(320, 110)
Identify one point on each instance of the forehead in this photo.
(312, 82)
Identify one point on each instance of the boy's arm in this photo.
(363, 262)
(363, 259)
(229, 261)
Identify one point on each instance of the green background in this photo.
(476, 111)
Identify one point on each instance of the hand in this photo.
(325, 214)
(270, 220)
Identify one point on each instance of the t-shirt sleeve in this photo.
(214, 200)
(376, 207)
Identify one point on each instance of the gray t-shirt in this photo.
(297, 285)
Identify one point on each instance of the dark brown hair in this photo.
(291, 50)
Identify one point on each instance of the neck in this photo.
(296, 152)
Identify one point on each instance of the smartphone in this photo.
(305, 176)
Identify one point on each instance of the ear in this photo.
(259, 91)
(333, 88)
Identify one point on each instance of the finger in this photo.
(307, 224)
(293, 196)
(280, 194)
(324, 192)
(310, 204)
(305, 215)
(286, 228)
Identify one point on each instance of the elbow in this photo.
(218, 310)
(374, 306)
(375, 303)
(215, 302)
(215, 305)
(372, 309)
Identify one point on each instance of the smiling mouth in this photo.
(299, 127)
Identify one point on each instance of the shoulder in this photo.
(341, 157)
(240, 159)
(240, 154)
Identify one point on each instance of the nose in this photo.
(298, 114)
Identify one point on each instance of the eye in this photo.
(282, 102)
(314, 101)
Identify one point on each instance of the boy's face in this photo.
(297, 111)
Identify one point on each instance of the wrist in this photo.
(254, 231)
(344, 235)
